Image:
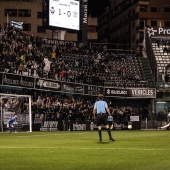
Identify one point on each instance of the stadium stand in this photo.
(162, 56)
(78, 64)
(82, 63)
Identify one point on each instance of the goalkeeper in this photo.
(10, 123)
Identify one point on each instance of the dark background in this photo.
(96, 7)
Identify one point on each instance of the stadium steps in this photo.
(147, 72)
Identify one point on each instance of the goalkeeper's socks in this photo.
(100, 134)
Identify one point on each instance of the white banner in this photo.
(134, 118)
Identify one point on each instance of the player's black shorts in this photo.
(110, 122)
(102, 119)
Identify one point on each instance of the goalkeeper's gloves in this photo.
(7, 125)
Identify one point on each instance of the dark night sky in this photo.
(96, 7)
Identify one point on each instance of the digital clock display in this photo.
(64, 14)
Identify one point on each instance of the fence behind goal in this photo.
(16, 104)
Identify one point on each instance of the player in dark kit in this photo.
(10, 123)
(101, 108)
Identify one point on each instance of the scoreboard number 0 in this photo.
(68, 13)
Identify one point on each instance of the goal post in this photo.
(19, 104)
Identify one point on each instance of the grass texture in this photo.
(80, 150)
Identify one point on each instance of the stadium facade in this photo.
(123, 21)
(32, 13)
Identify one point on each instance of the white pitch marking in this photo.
(27, 147)
(51, 135)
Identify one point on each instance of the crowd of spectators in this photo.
(82, 63)
(65, 108)
(164, 44)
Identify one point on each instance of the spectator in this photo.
(33, 68)
(62, 73)
(29, 65)
(53, 56)
(158, 43)
(165, 50)
(20, 68)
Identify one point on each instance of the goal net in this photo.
(15, 104)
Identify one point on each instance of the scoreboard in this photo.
(64, 14)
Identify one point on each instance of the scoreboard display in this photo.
(64, 14)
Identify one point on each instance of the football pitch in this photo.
(80, 150)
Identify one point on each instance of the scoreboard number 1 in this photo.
(68, 13)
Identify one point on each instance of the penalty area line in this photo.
(51, 135)
(74, 148)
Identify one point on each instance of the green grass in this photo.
(132, 150)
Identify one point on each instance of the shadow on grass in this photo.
(103, 142)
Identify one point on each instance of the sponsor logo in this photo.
(48, 84)
(146, 93)
(158, 31)
(10, 81)
(151, 31)
(119, 92)
(79, 126)
(85, 14)
(94, 88)
(72, 88)
(142, 92)
(53, 42)
(17, 82)
(67, 88)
